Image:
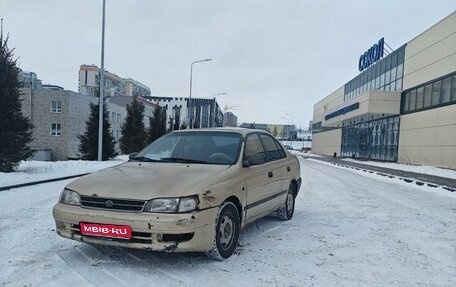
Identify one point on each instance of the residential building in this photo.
(401, 107)
(135, 88)
(230, 120)
(29, 80)
(59, 116)
(89, 82)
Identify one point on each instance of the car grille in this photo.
(112, 204)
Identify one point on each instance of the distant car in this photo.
(288, 147)
(190, 190)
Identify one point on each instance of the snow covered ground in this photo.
(30, 171)
(297, 145)
(349, 229)
(432, 170)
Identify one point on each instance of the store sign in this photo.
(342, 111)
(372, 55)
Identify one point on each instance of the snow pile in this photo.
(30, 171)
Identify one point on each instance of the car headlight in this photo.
(70, 197)
(172, 205)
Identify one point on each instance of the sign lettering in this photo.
(372, 55)
(342, 111)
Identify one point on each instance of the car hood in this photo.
(144, 180)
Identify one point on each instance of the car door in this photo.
(258, 178)
(280, 167)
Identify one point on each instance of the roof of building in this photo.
(126, 100)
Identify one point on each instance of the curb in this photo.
(407, 180)
(2, 188)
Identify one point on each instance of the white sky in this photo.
(271, 57)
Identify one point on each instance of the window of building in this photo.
(434, 94)
(412, 105)
(436, 88)
(427, 95)
(406, 101)
(385, 75)
(420, 98)
(56, 106)
(446, 90)
(453, 89)
(55, 129)
(118, 117)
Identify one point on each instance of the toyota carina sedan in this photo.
(190, 190)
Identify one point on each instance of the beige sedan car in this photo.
(190, 190)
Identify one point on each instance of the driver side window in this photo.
(254, 152)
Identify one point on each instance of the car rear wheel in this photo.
(227, 226)
(287, 211)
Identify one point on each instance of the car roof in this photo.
(242, 131)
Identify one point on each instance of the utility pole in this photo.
(100, 118)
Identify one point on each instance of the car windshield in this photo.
(201, 147)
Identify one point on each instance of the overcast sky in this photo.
(270, 57)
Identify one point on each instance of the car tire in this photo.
(287, 211)
(227, 227)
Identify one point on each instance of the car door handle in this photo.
(270, 174)
(288, 168)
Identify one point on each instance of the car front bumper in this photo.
(194, 231)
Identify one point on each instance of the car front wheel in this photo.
(227, 226)
(287, 211)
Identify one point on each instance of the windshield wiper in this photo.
(183, 160)
(146, 159)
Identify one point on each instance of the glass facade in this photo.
(386, 75)
(439, 92)
(377, 139)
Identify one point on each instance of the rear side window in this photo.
(253, 146)
(273, 150)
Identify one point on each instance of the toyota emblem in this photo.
(109, 203)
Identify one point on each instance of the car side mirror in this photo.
(132, 155)
(245, 163)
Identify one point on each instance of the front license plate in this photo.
(106, 230)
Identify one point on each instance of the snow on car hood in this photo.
(146, 180)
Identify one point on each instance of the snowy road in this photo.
(349, 229)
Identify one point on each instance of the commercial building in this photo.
(206, 112)
(401, 107)
(89, 82)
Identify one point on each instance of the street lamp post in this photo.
(215, 108)
(190, 97)
(292, 123)
(100, 116)
(288, 123)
